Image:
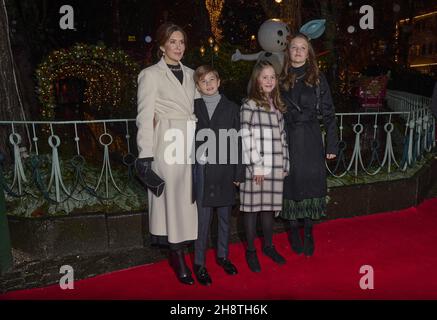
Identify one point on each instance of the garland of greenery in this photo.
(110, 74)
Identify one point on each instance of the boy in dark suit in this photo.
(218, 169)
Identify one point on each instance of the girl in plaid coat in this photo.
(266, 156)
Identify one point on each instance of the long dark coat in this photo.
(219, 178)
(307, 178)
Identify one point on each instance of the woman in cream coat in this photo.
(165, 139)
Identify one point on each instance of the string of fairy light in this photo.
(106, 71)
(215, 8)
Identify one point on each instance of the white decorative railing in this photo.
(56, 186)
(407, 133)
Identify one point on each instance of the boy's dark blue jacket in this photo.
(219, 187)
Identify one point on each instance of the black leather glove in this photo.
(148, 177)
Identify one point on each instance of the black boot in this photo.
(252, 261)
(308, 239)
(273, 254)
(295, 239)
(177, 262)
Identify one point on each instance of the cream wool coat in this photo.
(163, 104)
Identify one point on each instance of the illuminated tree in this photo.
(215, 8)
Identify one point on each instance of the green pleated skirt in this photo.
(313, 208)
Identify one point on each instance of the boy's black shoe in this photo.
(252, 261)
(227, 265)
(202, 275)
(273, 254)
(308, 247)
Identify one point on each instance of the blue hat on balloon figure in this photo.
(313, 29)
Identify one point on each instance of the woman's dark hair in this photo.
(164, 33)
(255, 92)
(312, 77)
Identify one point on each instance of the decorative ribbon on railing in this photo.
(19, 176)
(106, 167)
(56, 174)
(3, 185)
(374, 146)
(389, 153)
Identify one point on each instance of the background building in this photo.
(422, 54)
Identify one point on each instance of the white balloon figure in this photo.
(272, 37)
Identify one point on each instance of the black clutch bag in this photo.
(148, 177)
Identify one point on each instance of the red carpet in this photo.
(401, 247)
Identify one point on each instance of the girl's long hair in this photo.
(312, 76)
(255, 91)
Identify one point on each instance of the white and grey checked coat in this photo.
(265, 153)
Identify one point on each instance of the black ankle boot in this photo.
(177, 262)
(273, 254)
(252, 261)
(308, 247)
(295, 240)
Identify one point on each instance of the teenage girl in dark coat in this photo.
(306, 92)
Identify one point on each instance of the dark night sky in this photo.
(140, 18)
(38, 20)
